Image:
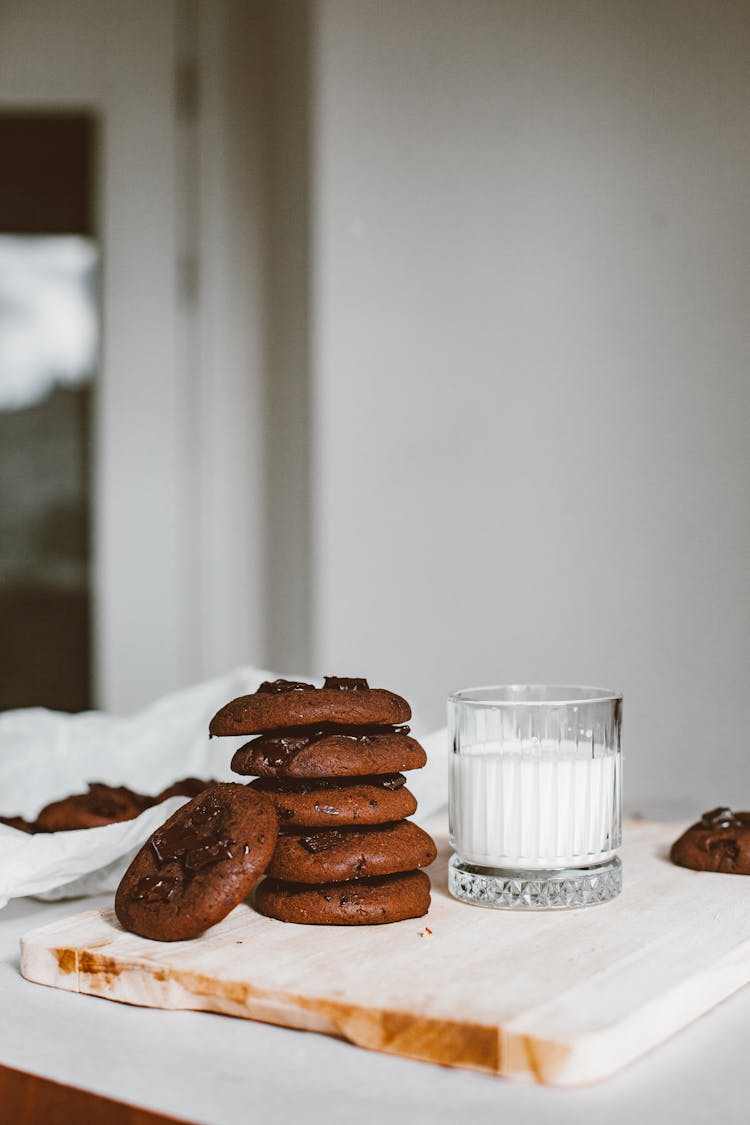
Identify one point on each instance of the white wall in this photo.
(530, 377)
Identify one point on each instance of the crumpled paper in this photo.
(46, 755)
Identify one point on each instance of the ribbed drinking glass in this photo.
(535, 796)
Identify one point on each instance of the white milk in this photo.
(544, 807)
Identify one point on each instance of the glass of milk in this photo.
(535, 796)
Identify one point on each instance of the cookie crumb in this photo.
(426, 932)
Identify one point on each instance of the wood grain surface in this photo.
(557, 997)
(26, 1099)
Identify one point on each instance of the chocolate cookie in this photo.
(19, 823)
(329, 802)
(337, 854)
(364, 902)
(199, 865)
(720, 841)
(103, 804)
(328, 751)
(289, 703)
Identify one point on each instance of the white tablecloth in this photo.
(213, 1069)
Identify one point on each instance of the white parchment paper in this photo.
(46, 755)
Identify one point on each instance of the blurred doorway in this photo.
(49, 326)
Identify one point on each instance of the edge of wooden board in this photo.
(581, 1060)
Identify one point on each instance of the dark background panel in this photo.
(47, 162)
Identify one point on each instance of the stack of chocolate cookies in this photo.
(325, 820)
(331, 761)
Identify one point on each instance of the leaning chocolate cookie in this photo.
(199, 865)
(290, 703)
(328, 751)
(720, 841)
(327, 803)
(337, 854)
(365, 902)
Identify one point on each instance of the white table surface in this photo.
(215, 1069)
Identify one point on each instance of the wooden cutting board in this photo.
(563, 998)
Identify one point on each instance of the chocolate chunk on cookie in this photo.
(719, 841)
(328, 751)
(365, 902)
(289, 703)
(199, 865)
(340, 802)
(337, 854)
(103, 804)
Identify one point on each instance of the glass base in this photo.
(535, 890)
